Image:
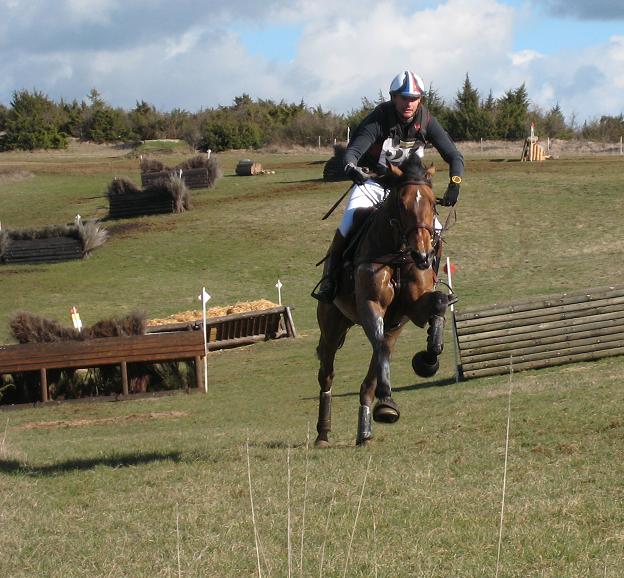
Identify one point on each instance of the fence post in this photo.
(621, 152)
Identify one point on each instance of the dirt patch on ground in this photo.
(10, 176)
(191, 316)
(64, 424)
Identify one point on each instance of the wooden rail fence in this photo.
(193, 178)
(240, 329)
(101, 352)
(541, 332)
(46, 250)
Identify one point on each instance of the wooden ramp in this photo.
(541, 332)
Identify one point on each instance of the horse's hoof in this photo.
(363, 442)
(386, 411)
(424, 366)
(320, 444)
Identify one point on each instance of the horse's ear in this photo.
(430, 171)
(396, 171)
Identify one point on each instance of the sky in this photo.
(194, 54)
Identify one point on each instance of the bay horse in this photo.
(391, 280)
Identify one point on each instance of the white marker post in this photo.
(279, 291)
(204, 298)
(76, 319)
(531, 142)
(449, 274)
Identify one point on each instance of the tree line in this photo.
(34, 121)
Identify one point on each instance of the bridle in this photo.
(405, 231)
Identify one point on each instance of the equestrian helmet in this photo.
(407, 83)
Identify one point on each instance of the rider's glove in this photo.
(357, 174)
(452, 192)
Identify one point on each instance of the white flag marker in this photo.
(204, 298)
(76, 319)
(279, 291)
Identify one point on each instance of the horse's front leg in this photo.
(425, 363)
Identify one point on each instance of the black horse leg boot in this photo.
(329, 283)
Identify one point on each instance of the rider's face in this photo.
(406, 106)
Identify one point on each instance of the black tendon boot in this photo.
(329, 282)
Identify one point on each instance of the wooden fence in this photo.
(47, 250)
(193, 178)
(240, 329)
(541, 332)
(133, 204)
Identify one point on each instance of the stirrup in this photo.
(326, 295)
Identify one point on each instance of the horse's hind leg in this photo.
(334, 326)
(425, 363)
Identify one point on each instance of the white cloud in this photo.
(525, 57)
(189, 55)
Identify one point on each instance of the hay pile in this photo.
(192, 316)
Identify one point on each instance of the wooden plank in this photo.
(540, 302)
(546, 314)
(555, 348)
(550, 362)
(513, 341)
(469, 339)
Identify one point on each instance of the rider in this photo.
(389, 132)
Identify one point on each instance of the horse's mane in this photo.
(413, 169)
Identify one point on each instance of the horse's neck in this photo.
(380, 238)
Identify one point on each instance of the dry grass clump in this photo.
(174, 187)
(30, 328)
(121, 186)
(149, 165)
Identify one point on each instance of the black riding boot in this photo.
(329, 282)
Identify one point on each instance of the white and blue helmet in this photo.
(407, 83)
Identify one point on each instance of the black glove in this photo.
(451, 195)
(358, 175)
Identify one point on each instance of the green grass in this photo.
(99, 489)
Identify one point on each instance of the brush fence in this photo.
(240, 329)
(46, 250)
(544, 332)
(134, 204)
(192, 178)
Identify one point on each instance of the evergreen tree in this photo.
(33, 122)
(465, 121)
(512, 114)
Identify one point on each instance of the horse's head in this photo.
(415, 209)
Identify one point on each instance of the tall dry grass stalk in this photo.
(305, 497)
(253, 512)
(289, 530)
(3, 444)
(331, 506)
(502, 513)
(357, 515)
(178, 540)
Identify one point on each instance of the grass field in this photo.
(161, 487)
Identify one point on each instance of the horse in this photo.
(390, 280)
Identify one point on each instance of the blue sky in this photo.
(195, 54)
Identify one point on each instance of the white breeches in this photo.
(365, 196)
